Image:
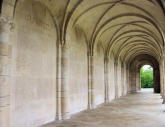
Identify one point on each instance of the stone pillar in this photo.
(138, 80)
(65, 82)
(161, 66)
(140, 87)
(58, 84)
(122, 79)
(128, 79)
(156, 74)
(133, 80)
(163, 78)
(125, 80)
(116, 80)
(91, 104)
(5, 55)
(106, 79)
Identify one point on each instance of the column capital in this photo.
(6, 23)
(4, 19)
(89, 54)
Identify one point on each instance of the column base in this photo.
(65, 116)
(163, 97)
(116, 96)
(107, 101)
(91, 106)
(58, 117)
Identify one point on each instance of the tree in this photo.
(146, 77)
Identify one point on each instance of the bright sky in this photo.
(146, 67)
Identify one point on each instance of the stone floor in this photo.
(143, 109)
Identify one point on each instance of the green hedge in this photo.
(146, 77)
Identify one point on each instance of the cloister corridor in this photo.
(76, 63)
(141, 109)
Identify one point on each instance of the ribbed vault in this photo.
(124, 28)
(115, 32)
(67, 56)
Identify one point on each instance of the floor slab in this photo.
(142, 109)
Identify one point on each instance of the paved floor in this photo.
(143, 109)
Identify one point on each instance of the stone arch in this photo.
(87, 34)
(136, 65)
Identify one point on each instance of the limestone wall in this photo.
(99, 75)
(34, 66)
(78, 72)
(60, 57)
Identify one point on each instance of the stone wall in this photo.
(78, 64)
(98, 73)
(60, 57)
(33, 66)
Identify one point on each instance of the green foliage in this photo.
(146, 77)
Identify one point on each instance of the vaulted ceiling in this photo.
(124, 28)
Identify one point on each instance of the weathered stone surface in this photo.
(60, 57)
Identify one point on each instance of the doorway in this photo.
(146, 77)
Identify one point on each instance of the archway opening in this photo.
(146, 77)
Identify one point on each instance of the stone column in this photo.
(122, 79)
(138, 80)
(140, 83)
(116, 78)
(91, 104)
(5, 55)
(128, 79)
(156, 74)
(106, 79)
(133, 80)
(163, 78)
(161, 66)
(65, 82)
(58, 84)
(125, 80)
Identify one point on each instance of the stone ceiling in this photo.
(124, 28)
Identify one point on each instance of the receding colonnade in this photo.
(61, 57)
